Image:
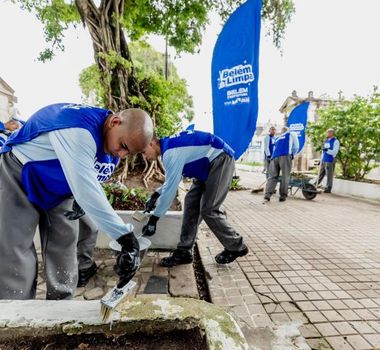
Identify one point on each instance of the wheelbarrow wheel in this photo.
(309, 191)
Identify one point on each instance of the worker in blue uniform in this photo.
(209, 161)
(329, 152)
(285, 148)
(63, 150)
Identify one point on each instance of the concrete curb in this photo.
(31, 318)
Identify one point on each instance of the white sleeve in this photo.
(173, 164)
(333, 152)
(295, 143)
(76, 150)
(266, 146)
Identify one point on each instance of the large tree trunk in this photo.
(117, 77)
(108, 38)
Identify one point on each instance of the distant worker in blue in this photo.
(329, 152)
(63, 150)
(286, 146)
(268, 148)
(209, 161)
(7, 128)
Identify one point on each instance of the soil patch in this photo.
(178, 340)
(200, 276)
(135, 180)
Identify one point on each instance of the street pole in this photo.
(166, 58)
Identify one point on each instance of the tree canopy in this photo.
(357, 127)
(181, 22)
(167, 101)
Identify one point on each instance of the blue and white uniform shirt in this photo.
(44, 180)
(286, 144)
(187, 154)
(330, 150)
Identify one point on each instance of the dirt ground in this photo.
(179, 340)
(134, 180)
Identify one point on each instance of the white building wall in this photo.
(4, 107)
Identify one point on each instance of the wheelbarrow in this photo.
(309, 190)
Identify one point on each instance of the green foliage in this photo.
(124, 198)
(113, 60)
(181, 22)
(167, 101)
(235, 184)
(357, 127)
(92, 88)
(56, 16)
(252, 163)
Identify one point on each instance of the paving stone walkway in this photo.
(312, 262)
(151, 278)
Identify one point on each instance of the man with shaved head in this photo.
(63, 151)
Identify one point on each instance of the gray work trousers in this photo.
(281, 164)
(266, 167)
(327, 169)
(18, 258)
(203, 201)
(88, 233)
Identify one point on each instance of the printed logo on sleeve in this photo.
(104, 170)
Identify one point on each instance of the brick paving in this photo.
(315, 262)
(178, 281)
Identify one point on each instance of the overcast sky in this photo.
(330, 45)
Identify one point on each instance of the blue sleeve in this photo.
(173, 164)
(75, 148)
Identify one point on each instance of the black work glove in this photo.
(269, 157)
(75, 213)
(151, 202)
(128, 260)
(150, 228)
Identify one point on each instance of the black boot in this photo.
(178, 257)
(228, 256)
(85, 275)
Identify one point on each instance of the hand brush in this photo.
(114, 297)
(139, 216)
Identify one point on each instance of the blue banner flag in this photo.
(234, 74)
(297, 122)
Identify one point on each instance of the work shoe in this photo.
(282, 199)
(327, 190)
(228, 256)
(178, 257)
(85, 275)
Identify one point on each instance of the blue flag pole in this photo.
(297, 122)
(235, 74)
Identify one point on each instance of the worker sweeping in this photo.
(63, 150)
(285, 147)
(209, 161)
